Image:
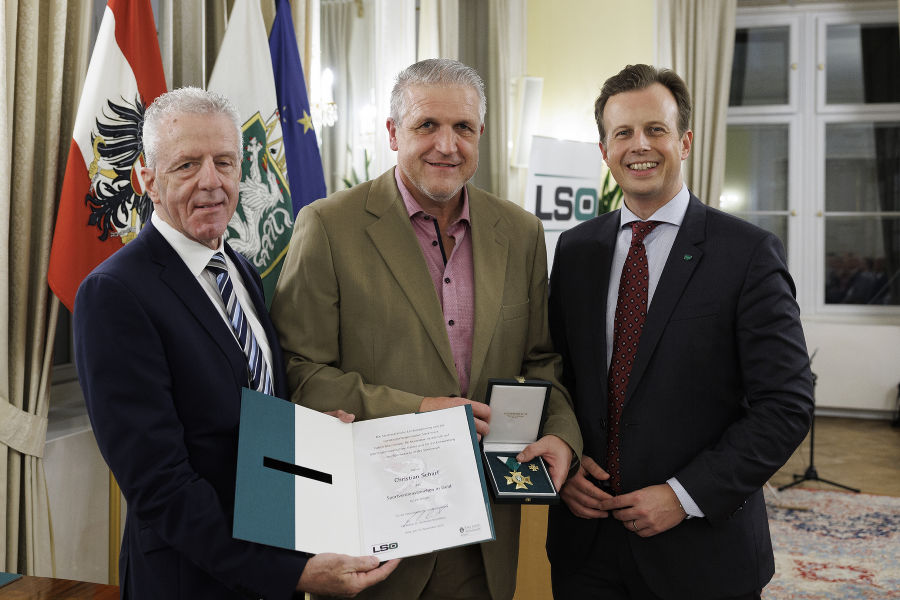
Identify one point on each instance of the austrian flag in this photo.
(103, 204)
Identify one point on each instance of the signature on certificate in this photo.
(417, 517)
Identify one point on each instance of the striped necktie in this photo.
(260, 379)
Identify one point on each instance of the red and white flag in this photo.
(103, 204)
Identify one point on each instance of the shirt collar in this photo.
(194, 254)
(413, 208)
(671, 212)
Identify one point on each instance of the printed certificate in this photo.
(390, 487)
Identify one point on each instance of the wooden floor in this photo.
(859, 453)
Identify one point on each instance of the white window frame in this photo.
(807, 116)
(752, 20)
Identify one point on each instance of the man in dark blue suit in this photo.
(687, 365)
(162, 370)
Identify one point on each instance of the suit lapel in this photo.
(396, 242)
(600, 253)
(490, 251)
(683, 259)
(174, 274)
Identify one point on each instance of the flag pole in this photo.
(115, 528)
(203, 26)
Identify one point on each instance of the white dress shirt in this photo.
(658, 244)
(196, 257)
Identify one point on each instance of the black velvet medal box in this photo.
(517, 411)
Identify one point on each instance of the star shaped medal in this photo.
(515, 476)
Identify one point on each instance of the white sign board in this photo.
(563, 182)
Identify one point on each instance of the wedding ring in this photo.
(634, 525)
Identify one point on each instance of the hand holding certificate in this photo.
(392, 487)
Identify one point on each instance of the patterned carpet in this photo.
(833, 544)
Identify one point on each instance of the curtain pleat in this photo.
(438, 29)
(498, 83)
(337, 25)
(42, 42)
(702, 47)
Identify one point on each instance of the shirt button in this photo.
(434, 243)
(446, 280)
(451, 322)
(427, 218)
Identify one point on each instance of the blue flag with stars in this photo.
(304, 164)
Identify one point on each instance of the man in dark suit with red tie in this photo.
(686, 361)
(167, 332)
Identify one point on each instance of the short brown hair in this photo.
(639, 77)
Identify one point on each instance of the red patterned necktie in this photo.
(631, 312)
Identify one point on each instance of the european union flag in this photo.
(304, 164)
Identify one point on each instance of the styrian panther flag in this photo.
(263, 222)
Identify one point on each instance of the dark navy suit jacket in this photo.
(719, 397)
(162, 375)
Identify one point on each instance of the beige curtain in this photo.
(438, 29)
(301, 13)
(190, 33)
(701, 43)
(498, 84)
(492, 41)
(337, 27)
(188, 58)
(44, 50)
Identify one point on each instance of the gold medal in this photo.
(522, 482)
(515, 476)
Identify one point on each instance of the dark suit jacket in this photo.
(719, 397)
(162, 373)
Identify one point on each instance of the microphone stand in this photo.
(811, 474)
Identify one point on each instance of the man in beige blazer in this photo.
(406, 293)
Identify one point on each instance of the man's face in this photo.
(195, 184)
(643, 148)
(437, 142)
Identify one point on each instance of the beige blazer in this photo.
(362, 328)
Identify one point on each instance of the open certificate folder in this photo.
(392, 487)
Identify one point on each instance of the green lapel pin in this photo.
(688, 257)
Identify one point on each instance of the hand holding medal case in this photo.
(517, 411)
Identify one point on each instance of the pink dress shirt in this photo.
(454, 279)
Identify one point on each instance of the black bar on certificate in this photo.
(286, 467)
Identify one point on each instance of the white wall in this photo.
(858, 365)
(575, 45)
(77, 486)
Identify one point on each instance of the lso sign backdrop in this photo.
(563, 182)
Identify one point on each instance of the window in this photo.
(813, 148)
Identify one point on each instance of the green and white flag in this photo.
(261, 226)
